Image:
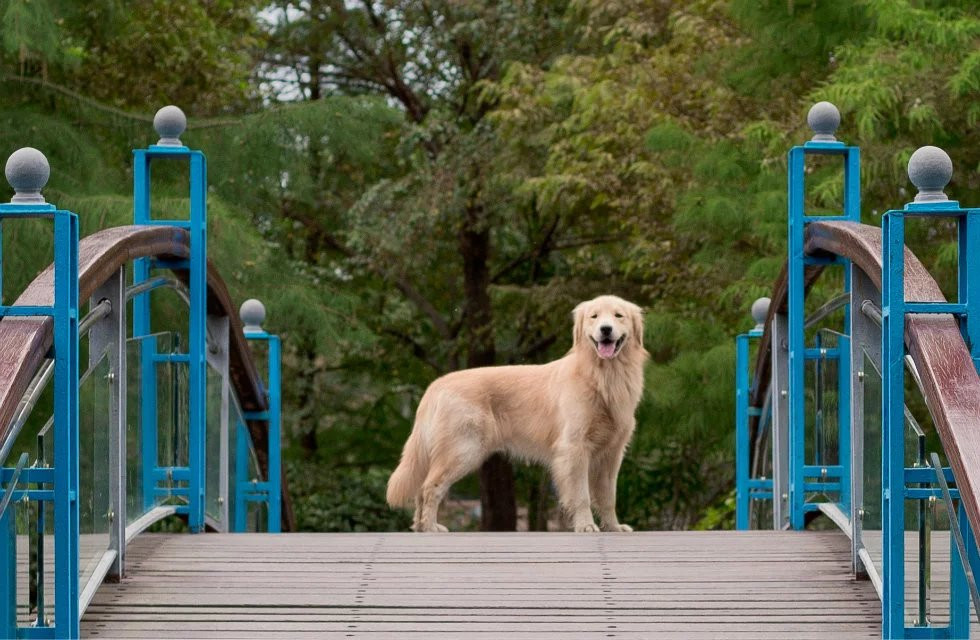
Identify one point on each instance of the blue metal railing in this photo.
(197, 486)
(803, 481)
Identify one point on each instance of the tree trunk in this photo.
(498, 505)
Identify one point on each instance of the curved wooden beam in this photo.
(950, 382)
(25, 341)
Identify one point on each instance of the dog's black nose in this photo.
(605, 329)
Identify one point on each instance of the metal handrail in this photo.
(835, 303)
(954, 528)
(21, 463)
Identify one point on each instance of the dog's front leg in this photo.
(604, 470)
(571, 472)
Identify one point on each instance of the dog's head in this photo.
(608, 326)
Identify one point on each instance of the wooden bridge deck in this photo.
(515, 586)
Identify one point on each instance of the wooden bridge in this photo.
(534, 586)
(189, 427)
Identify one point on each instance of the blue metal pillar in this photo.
(142, 329)
(275, 435)
(959, 590)
(170, 147)
(8, 574)
(742, 432)
(823, 119)
(27, 180)
(893, 426)
(252, 313)
(930, 170)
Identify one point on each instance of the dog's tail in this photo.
(405, 482)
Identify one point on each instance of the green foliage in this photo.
(343, 500)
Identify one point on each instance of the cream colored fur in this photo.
(574, 415)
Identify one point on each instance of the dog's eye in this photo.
(619, 315)
(594, 316)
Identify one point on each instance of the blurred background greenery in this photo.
(414, 187)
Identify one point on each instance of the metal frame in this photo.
(63, 477)
(746, 487)
(271, 490)
(197, 267)
(799, 487)
(895, 475)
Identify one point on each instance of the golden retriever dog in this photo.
(575, 415)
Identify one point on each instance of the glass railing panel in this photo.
(826, 433)
(134, 431)
(822, 441)
(94, 396)
(760, 511)
(172, 419)
(172, 404)
(236, 468)
(257, 518)
(214, 489)
(917, 538)
(870, 508)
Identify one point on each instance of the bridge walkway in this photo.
(751, 584)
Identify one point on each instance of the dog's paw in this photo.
(623, 527)
(441, 528)
(586, 528)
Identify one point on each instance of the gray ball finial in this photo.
(252, 314)
(930, 170)
(27, 171)
(170, 122)
(760, 310)
(823, 118)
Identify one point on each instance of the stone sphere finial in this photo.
(823, 118)
(252, 314)
(170, 122)
(27, 171)
(930, 170)
(760, 310)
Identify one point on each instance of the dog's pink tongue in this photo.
(607, 349)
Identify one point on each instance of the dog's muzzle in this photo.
(608, 348)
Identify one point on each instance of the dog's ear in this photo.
(578, 315)
(636, 319)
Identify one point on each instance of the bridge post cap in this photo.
(169, 123)
(760, 311)
(930, 170)
(27, 171)
(823, 118)
(252, 313)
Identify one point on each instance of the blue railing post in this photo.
(824, 119)
(253, 314)
(8, 575)
(170, 123)
(27, 171)
(930, 169)
(747, 488)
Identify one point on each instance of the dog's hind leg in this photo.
(442, 474)
(418, 512)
